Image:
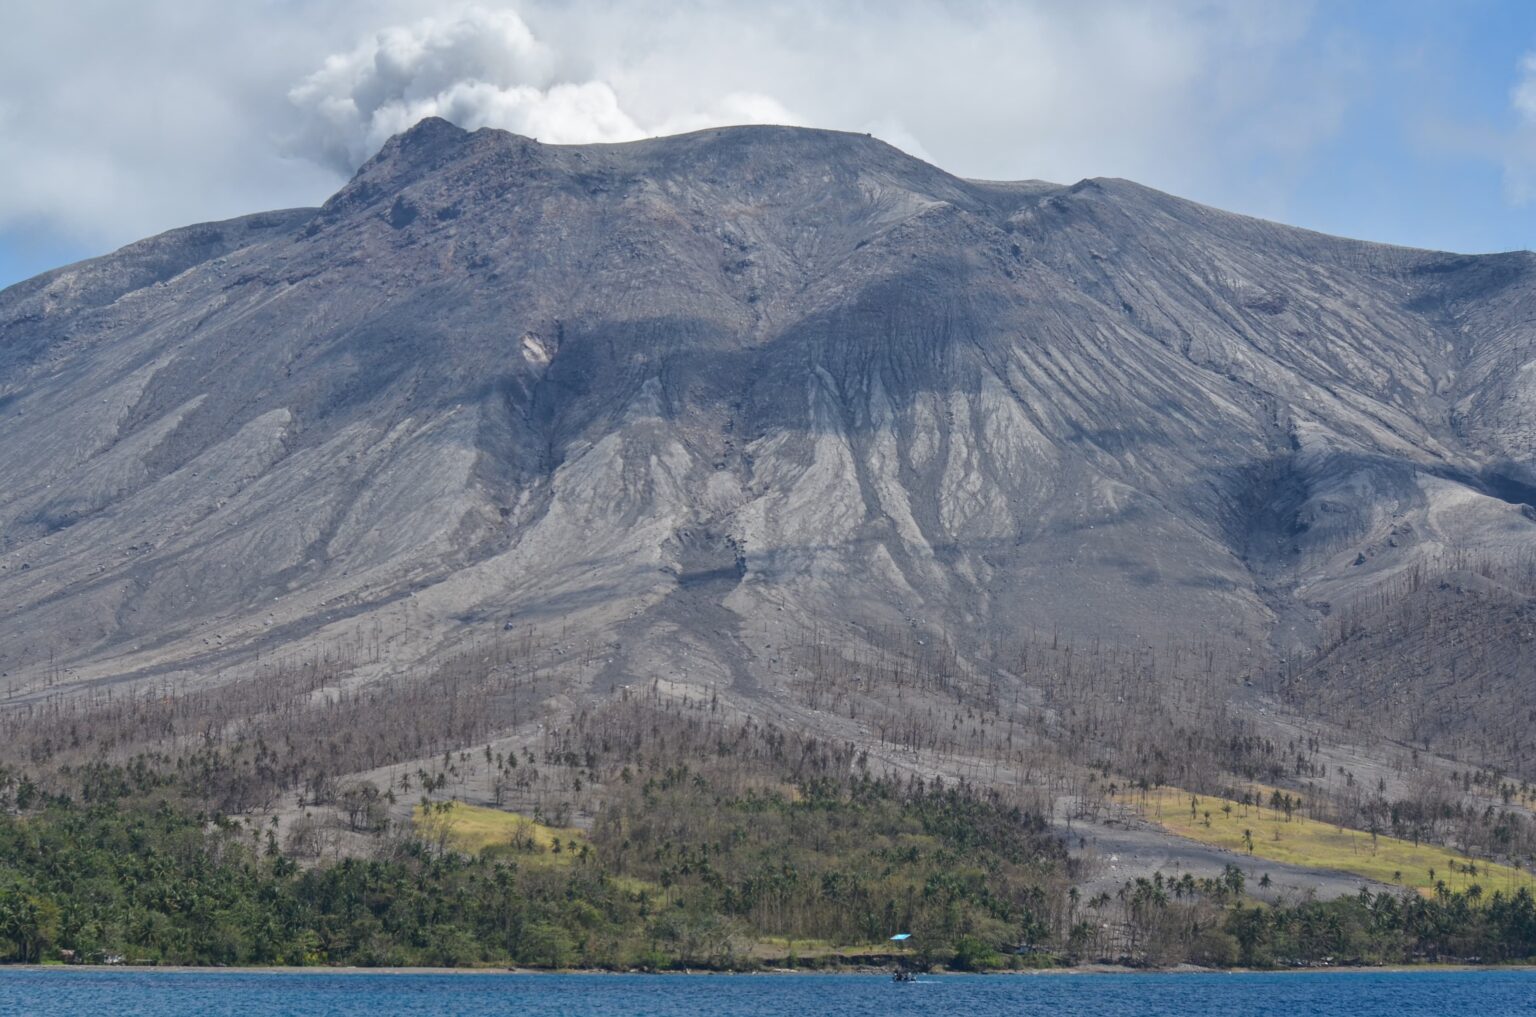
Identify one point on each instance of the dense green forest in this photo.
(118, 861)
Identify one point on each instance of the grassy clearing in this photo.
(1264, 832)
(473, 828)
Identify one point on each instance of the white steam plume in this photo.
(477, 68)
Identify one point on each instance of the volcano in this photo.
(682, 395)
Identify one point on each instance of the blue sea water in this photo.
(37, 993)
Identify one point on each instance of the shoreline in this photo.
(1076, 970)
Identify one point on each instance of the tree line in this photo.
(678, 870)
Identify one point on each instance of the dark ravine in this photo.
(683, 394)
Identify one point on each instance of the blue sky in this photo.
(1390, 121)
(1419, 159)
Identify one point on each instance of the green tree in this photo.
(29, 922)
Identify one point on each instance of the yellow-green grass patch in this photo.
(1266, 833)
(472, 829)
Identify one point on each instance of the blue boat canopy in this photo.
(901, 936)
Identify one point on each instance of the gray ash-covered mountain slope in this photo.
(666, 390)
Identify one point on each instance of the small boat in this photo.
(903, 973)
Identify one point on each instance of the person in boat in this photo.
(903, 972)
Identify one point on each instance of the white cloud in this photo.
(1523, 95)
(124, 121)
(1519, 150)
